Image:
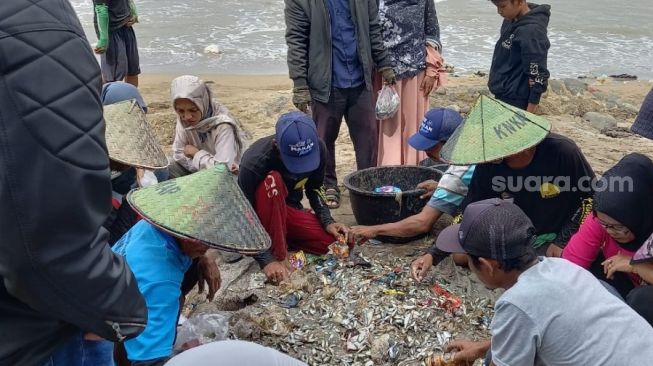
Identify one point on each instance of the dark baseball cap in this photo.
(298, 142)
(493, 229)
(437, 126)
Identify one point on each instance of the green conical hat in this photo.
(207, 206)
(493, 130)
(129, 138)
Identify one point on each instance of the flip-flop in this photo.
(332, 198)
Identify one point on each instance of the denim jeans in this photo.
(79, 352)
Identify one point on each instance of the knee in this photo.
(640, 299)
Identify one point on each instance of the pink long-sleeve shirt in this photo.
(592, 238)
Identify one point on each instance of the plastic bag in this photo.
(201, 329)
(387, 103)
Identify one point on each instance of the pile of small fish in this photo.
(343, 309)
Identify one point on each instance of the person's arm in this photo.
(432, 26)
(298, 31)
(585, 245)
(178, 145)
(408, 227)
(534, 52)
(315, 191)
(645, 271)
(134, 11)
(154, 346)
(54, 256)
(515, 336)
(102, 25)
(225, 145)
(379, 53)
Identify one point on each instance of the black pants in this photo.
(357, 106)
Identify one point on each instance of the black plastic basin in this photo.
(372, 208)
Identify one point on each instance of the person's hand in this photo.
(234, 169)
(429, 186)
(131, 21)
(388, 75)
(301, 98)
(337, 230)
(553, 251)
(420, 267)
(276, 272)
(190, 151)
(208, 272)
(531, 107)
(467, 351)
(92, 337)
(427, 85)
(616, 263)
(101, 46)
(362, 232)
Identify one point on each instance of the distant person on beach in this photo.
(411, 34)
(116, 45)
(552, 312)
(643, 124)
(519, 74)
(332, 52)
(446, 196)
(621, 223)
(206, 134)
(544, 173)
(64, 296)
(275, 173)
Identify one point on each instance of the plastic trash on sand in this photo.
(387, 103)
(387, 189)
(202, 329)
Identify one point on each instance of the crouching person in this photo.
(183, 218)
(275, 173)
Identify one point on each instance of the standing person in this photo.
(205, 134)
(275, 174)
(519, 74)
(619, 226)
(411, 34)
(333, 48)
(552, 313)
(116, 45)
(62, 290)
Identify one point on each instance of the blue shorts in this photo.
(121, 58)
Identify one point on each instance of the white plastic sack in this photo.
(387, 103)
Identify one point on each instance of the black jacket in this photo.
(308, 36)
(520, 55)
(262, 158)
(58, 276)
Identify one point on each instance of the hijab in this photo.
(118, 91)
(213, 113)
(630, 204)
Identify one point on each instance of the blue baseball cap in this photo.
(437, 126)
(298, 142)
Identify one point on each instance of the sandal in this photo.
(332, 198)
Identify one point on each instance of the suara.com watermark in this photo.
(561, 184)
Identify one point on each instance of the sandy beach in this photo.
(320, 327)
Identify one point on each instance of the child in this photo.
(519, 75)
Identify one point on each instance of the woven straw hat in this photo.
(129, 138)
(207, 206)
(493, 130)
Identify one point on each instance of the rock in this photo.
(454, 107)
(480, 74)
(629, 107)
(624, 77)
(617, 132)
(441, 91)
(600, 121)
(574, 86)
(557, 86)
